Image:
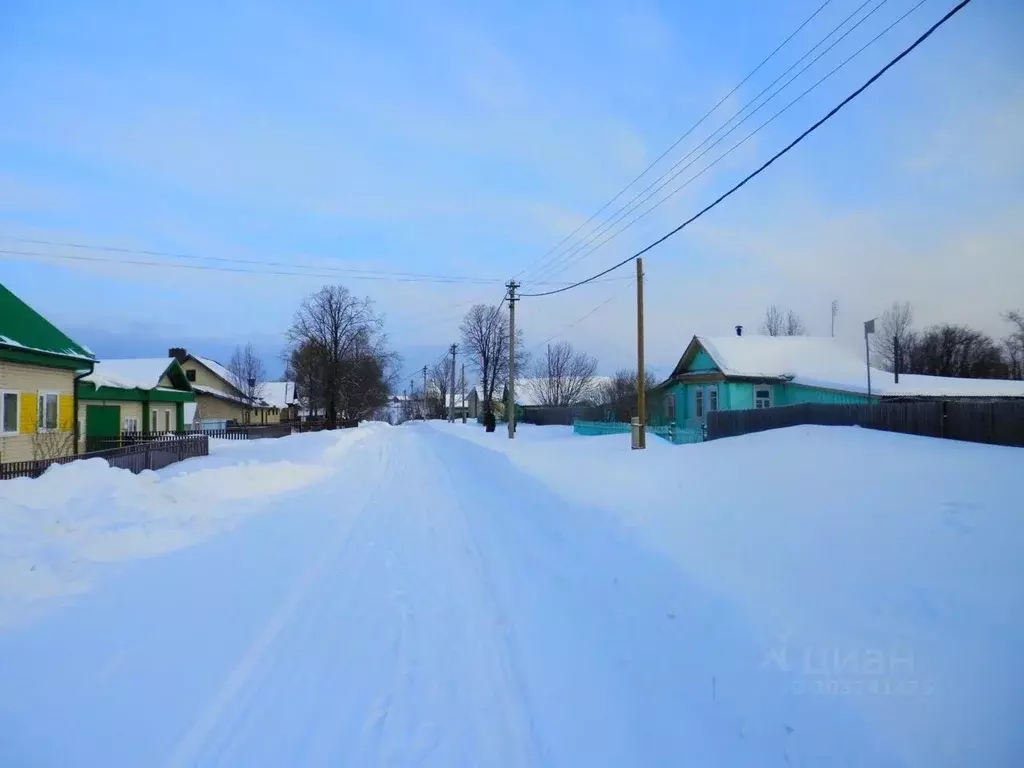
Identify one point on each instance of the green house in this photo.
(743, 372)
(147, 395)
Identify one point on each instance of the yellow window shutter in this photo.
(66, 413)
(28, 410)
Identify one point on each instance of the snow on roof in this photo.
(24, 328)
(822, 362)
(528, 391)
(226, 396)
(279, 394)
(134, 373)
(217, 368)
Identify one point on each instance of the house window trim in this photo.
(698, 404)
(714, 399)
(764, 388)
(41, 417)
(190, 375)
(17, 410)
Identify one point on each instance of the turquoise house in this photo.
(743, 372)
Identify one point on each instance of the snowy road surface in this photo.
(408, 596)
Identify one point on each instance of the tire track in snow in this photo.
(254, 661)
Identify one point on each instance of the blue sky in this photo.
(467, 139)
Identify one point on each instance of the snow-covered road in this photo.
(413, 597)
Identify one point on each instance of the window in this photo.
(167, 421)
(154, 422)
(762, 398)
(190, 374)
(670, 408)
(8, 412)
(131, 425)
(713, 399)
(47, 411)
(698, 403)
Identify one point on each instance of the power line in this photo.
(681, 138)
(735, 146)
(224, 259)
(567, 256)
(928, 33)
(378, 276)
(579, 320)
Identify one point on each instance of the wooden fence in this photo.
(152, 454)
(995, 422)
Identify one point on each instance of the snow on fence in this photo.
(994, 422)
(671, 432)
(152, 454)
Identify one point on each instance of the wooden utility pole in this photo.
(462, 392)
(451, 402)
(510, 406)
(423, 410)
(641, 393)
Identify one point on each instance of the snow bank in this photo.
(56, 529)
(879, 574)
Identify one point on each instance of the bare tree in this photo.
(779, 323)
(894, 324)
(955, 350)
(438, 386)
(619, 393)
(1013, 345)
(248, 375)
(485, 339)
(563, 377)
(339, 340)
(794, 325)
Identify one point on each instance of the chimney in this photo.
(178, 353)
(739, 330)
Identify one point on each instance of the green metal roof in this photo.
(24, 329)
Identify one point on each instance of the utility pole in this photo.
(510, 406)
(641, 393)
(462, 392)
(896, 357)
(835, 309)
(451, 406)
(869, 328)
(423, 409)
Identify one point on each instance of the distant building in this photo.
(219, 401)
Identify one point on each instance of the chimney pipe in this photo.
(739, 330)
(178, 353)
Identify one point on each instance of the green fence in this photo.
(671, 432)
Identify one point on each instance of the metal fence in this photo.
(153, 454)
(994, 422)
(673, 433)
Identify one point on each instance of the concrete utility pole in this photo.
(835, 310)
(451, 406)
(423, 408)
(641, 392)
(510, 406)
(462, 392)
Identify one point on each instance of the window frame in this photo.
(3, 410)
(767, 400)
(190, 375)
(698, 403)
(167, 420)
(41, 396)
(713, 400)
(154, 420)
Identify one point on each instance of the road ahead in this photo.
(425, 604)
